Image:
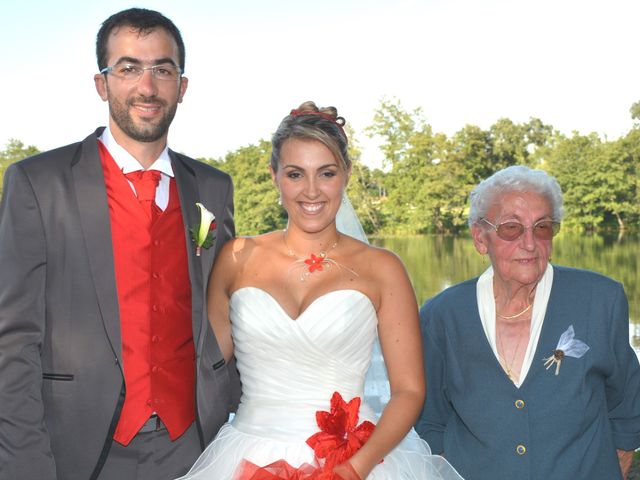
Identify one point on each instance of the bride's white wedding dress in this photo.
(290, 369)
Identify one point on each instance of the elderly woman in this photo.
(530, 374)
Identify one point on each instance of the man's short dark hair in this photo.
(144, 22)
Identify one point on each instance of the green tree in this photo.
(466, 159)
(568, 162)
(614, 178)
(408, 148)
(15, 150)
(627, 153)
(256, 198)
(635, 111)
(430, 176)
(599, 180)
(509, 143)
(446, 188)
(363, 190)
(395, 126)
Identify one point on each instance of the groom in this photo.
(109, 368)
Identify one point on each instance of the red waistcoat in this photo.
(154, 296)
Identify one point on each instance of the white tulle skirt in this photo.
(410, 460)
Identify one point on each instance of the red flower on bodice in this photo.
(315, 262)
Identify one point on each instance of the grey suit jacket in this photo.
(61, 379)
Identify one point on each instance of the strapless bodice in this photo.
(290, 367)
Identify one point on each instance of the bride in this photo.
(303, 307)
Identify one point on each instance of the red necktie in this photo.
(145, 183)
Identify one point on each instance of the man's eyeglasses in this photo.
(130, 72)
(509, 231)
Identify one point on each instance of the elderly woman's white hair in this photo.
(516, 178)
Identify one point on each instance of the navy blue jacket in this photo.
(553, 427)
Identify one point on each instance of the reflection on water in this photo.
(437, 262)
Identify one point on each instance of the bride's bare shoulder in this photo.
(241, 254)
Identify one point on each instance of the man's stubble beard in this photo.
(147, 132)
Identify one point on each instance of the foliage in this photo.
(256, 199)
(395, 127)
(430, 175)
(15, 150)
(427, 176)
(635, 111)
(363, 189)
(599, 180)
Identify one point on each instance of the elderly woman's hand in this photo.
(626, 459)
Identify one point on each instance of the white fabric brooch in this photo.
(567, 346)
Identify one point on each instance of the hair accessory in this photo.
(339, 121)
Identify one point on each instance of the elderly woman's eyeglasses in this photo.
(131, 72)
(509, 231)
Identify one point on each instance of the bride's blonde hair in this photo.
(312, 123)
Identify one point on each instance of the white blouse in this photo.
(487, 309)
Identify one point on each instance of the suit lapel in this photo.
(93, 208)
(188, 192)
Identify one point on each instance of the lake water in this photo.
(436, 262)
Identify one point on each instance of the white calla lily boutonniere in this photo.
(568, 346)
(204, 234)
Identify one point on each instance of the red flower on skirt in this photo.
(340, 436)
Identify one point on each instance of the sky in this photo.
(571, 63)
